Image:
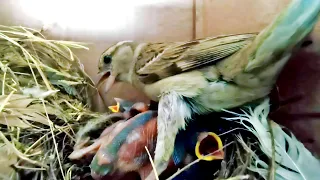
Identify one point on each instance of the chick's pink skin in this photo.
(134, 148)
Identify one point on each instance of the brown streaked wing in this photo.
(161, 60)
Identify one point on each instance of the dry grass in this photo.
(44, 99)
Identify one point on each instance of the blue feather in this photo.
(179, 151)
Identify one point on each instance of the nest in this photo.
(44, 99)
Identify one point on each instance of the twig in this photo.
(241, 177)
(272, 172)
(54, 139)
(152, 164)
(4, 80)
(4, 103)
(231, 131)
(29, 168)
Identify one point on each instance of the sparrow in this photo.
(210, 74)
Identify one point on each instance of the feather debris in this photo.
(293, 161)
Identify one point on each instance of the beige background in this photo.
(107, 22)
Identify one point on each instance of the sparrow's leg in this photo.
(172, 113)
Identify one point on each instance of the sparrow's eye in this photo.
(107, 59)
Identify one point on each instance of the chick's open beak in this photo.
(209, 147)
(115, 108)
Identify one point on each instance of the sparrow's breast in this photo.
(189, 84)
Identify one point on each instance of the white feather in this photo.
(172, 113)
(36, 92)
(303, 165)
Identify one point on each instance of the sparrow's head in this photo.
(115, 63)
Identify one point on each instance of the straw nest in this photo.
(44, 99)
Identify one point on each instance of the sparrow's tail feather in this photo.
(276, 42)
(286, 32)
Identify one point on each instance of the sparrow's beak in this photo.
(209, 147)
(106, 76)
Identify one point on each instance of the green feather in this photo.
(286, 32)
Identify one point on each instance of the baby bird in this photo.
(210, 74)
(123, 110)
(126, 151)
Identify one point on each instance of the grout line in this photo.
(194, 19)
